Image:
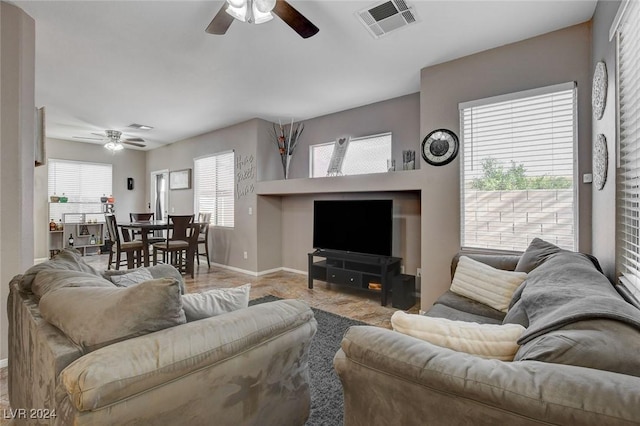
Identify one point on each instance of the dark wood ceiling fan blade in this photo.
(221, 22)
(138, 144)
(295, 19)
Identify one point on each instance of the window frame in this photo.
(196, 187)
(352, 140)
(514, 96)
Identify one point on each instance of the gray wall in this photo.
(126, 163)
(604, 201)
(227, 244)
(17, 125)
(293, 215)
(557, 57)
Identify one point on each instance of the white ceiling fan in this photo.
(114, 141)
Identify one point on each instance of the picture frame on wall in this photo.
(180, 179)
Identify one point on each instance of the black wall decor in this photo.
(129, 183)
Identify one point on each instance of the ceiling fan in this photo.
(113, 141)
(257, 12)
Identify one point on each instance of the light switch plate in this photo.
(587, 178)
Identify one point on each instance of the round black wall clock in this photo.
(440, 147)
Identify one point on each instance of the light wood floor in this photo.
(351, 303)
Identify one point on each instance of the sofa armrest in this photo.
(119, 371)
(435, 385)
(505, 262)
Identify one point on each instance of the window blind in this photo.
(214, 187)
(518, 169)
(364, 155)
(628, 175)
(81, 182)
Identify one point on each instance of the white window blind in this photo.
(364, 155)
(82, 183)
(214, 187)
(517, 174)
(628, 177)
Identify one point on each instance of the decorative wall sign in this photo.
(337, 157)
(599, 90)
(440, 147)
(600, 162)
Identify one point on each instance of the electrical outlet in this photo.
(173, 209)
(246, 255)
(402, 269)
(250, 211)
(419, 272)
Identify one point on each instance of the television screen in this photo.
(362, 226)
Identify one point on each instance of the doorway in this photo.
(159, 194)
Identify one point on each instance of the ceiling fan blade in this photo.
(140, 145)
(294, 19)
(98, 134)
(136, 139)
(221, 22)
(88, 138)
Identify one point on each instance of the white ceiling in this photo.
(106, 64)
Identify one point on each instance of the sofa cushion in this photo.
(93, 317)
(461, 303)
(214, 302)
(483, 340)
(67, 259)
(601, 344)
(485, 284)
(53, 279)
(162, 270)
(443, 311)
(133, 277)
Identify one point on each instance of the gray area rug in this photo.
(326, 390)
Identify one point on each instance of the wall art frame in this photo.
(180, 179)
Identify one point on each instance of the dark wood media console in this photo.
(355, 270)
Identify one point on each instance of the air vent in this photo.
(383, 18)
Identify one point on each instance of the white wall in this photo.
(17, 125)
(125, 163)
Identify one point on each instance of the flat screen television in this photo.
(361, 226)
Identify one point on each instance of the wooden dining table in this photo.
(145, 227)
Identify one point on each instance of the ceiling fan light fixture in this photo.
(251, 11)
(113, 146)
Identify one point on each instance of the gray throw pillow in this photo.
(536, 254)
(53, 279)
(198, 306)
(93, 317)
(136, 276)
(602, 344)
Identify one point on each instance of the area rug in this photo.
(326, 390)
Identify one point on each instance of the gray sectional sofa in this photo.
(578, 363)
(246, 367)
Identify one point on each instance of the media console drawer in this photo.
(344, 277)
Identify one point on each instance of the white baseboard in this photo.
(234, 269)
(4, 363)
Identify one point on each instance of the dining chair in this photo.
(179, 245)
(132, 249)
(203, 237)
(145, 217)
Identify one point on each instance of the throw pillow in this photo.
(536, 254)
(497, 341)
(198, 306)
(136, 276)
(67, 259)
(53, 279)
(93, 317)
(485, 284)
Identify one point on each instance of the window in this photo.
(82, 183)
(517, 174)
(628, 175)
(213, 187)
(364, 155)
